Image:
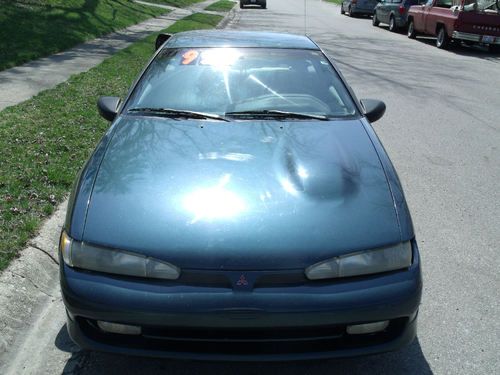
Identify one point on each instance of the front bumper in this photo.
(477, 38)
(304, 321)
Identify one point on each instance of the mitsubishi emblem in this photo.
(242, 281)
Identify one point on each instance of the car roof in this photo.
(252, 39)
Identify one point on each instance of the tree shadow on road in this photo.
(410, 360)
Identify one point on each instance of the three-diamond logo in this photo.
(242, 281)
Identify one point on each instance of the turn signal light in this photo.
(362, 329)
(123, 329)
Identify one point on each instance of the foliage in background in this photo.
(175, 3)
(45, 140)
(221, 6)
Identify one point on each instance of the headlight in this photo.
(88, 257)
(362, 263)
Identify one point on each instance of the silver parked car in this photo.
(358, 7)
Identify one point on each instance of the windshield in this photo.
(236, 80)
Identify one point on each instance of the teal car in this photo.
(240, 207)
(393, 13)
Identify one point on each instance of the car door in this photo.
(430, 17)
(392, 7)
(419, 15)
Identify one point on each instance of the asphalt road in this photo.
(442, 131)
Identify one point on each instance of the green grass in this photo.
(221, 6)
(335, 1)
(46, 140)
(175, 3)
(31, 29)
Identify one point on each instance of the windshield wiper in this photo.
(278, 114)
(170, 112)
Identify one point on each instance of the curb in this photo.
(228, 18)
(28, 286)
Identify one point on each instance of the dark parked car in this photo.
(240, 207)
(358, 7)
(394, 13)
(261, 3)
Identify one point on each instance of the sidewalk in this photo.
(23, 82)
(33, 338)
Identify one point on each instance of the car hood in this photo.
(240, 195)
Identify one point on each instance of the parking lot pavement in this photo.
(442, 131)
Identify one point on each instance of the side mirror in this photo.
(160, 39)
(108, 107)
(374, 109)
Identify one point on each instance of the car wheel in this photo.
(411, 30)
(442, 40)
(241, 5)
(350, 12)
(342, 11)
(375, 21)
(264, 6)
(392, 24)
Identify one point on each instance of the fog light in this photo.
(123, 329)
(361, 329)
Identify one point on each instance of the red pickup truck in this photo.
(470, 21)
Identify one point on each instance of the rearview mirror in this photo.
(108, 107)
(160, 39)
(374, 109)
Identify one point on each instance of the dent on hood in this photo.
(316, 165)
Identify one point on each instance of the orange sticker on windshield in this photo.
(189, 56)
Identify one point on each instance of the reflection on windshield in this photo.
(256, 80)
(222, 80)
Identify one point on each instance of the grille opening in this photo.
(204, 279)
(238, 341)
